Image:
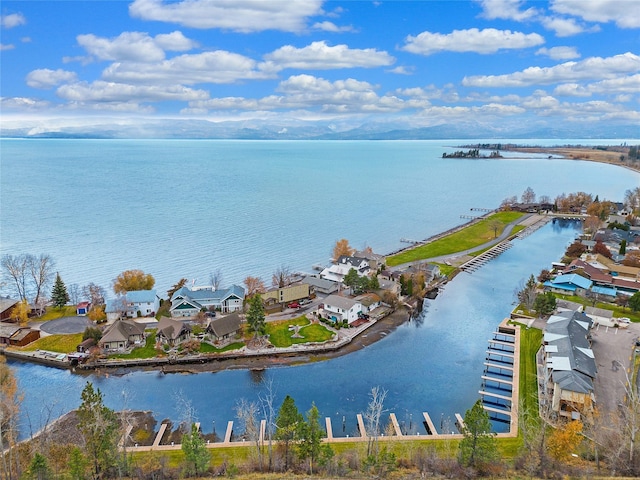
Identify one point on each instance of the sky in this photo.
(403, 63)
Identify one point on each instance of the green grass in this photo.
(445, 269)
(469, 237)
(208, 348)
(530, 342)
(53, 313)
(280, 335)
(55, 343)
(148, 351)
(618, 311)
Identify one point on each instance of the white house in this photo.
(143, 303)
(338, 309)
(186, 302)
(338, 270)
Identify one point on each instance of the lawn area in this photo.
(280, 335)
(618, 311)
(52, 313)
(55, 343)
(530, 341)
(469, 237)
(148, 351)
(208, 348)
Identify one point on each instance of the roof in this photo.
(612, 292)
(569, 280)
(8, 329)
(340, 302)
(208, 295)
(226, 325)
(170, 328)
(141, 296)
(6, 304)
(121, 330)
(368, 299)
(355, 262)
(320, 282)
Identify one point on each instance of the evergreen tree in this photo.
(478, 448)
(195, 452)
(351, 278)
(39, 468)
(255, 315)
(288, 424)
(311, 434)
(59, 294)
(623, 247)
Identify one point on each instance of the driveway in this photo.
(66, 325)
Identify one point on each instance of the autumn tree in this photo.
(544, 276)
(99, 427)
(254, 285)
(288, 423)
(133, 280)
(478, 448)
(565, 439)
(177, 286)
(528, 196)
(602, 249)
(600, 209)
(592, 224)
(341, 248)
(255, 316)
(20, 312)
(632, 259)
(632, 200)
(575, 250)
(97, 314)
(282, 277)
(59, 295)
(507, 202)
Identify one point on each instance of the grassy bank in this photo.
(469, 237)
(55, 343)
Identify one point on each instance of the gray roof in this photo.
(340, 302)
(226, 325)
(121, 330)
(321, 283)
(6, 304)
(170, 328)
(8, 329)
(208, 295)
(355, 262)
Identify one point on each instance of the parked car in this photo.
(294, 305)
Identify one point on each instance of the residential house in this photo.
(172, 332)
(568, 306)
(570, 366)
(343, 265)
(86, 345)
(6, 306)
(375, 260)
(15, 335)
(139, 303)
(369, 301)
(572, 284)
(337, 309)
(83, 308)
(290, 293)
(187, 302)
(121, 335)
(222, 330)
(321, 285)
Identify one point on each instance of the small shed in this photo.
(86, 345)
(83, 308)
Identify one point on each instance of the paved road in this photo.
(66, 325)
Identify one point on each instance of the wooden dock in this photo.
(459, 423)
(363, 431)
(156, 441)
(431, 428)
(329, 427)
(396, 425)
(227, 435)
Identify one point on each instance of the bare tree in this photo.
(282, 277)
(41, 271)
(267, 399)
(94, 293)
(15, 269)
(74, 293)
(186, 411)
(215, 278)
(495, 225)
(528, 196)
(372, 418)
(247, 414)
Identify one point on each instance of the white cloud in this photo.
(628, 84)
(484, 41)
(625, 14)
(506, 10)
(133, 46)
(564, 27)
(101, 91)
(559, 53)
(594, 68)
(238, 15)
(6, 46)
(571, 90)
(208, 67)
(402, 70)
(320, 56)
(23, 104)
(174, 41)
(327, 26)
(45, 78)
(12, 20)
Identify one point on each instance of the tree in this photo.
(9, 410)
(288, 424)
(495, 225)
(74, 293)
(592, 224)
(78, 464)
(181, 283)
(255, 316)
(282, 277)
(632, 259)
(94, 293)
(545, 303)
(39, 468)
(602, 249)
(372, 418)
(351, 278)
(215, 278)
(527, 295)
(196, 454)
(41, 270)
(97, 314)
(14, 269)
(59, 294)
(575, 250)
(634, 302)
(311, 434)
(374, 283)
(341, 248)
(247, 413)
(478, 448)
(623, 247)
(99, 427)
(254, 285)
(20, 312)
(133, 280)
(544, 276)
(92, 332)
(528, 196)
(565, 439)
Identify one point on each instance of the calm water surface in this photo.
(184, 208)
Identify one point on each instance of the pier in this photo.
(476, 262)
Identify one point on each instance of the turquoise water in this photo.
(185, 208)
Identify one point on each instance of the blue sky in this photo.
(410, 64)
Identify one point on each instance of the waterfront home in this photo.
(339, 270)
(15, 335)
(572, 284)
(375, 260)
(187, 302)
(172, 332)
(138, 303)
(6, 306)
(613, 268)
(121, 335)
(222, 330)
(285, 295)
(83, 308)
(369, 301)
(321, 285)
(337, 309)
(570, 365)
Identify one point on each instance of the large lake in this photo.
(185, 208)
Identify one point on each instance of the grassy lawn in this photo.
(148, 351)
(530, 341)
(469, 237)
(280, 335)
(445, 269)
(55, 343)
(53, 313)
(208, 348)
(617, 310)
